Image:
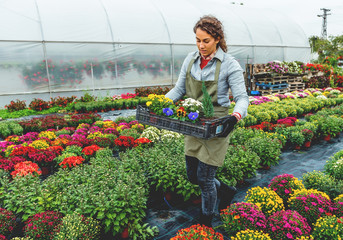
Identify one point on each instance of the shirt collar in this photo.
(219, 54)
(209, 57)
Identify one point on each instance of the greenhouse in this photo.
(97, 143)
(50, 48)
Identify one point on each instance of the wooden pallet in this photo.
(272, 87)
(280, 77)
(262, 75)
(296, 86)
(259, 68)
(271, 81)
(296, 79)
(272, 91)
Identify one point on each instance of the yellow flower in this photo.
(148, 103)
(39, 144)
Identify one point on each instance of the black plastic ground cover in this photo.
(171, 216)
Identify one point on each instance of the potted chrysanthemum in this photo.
(249, 234)
(328, 227)
(241, 216)
(311, 204)
(199, 232)
(286, 225)
(284, 185)
(266, 199)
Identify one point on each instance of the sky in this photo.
(304, 12)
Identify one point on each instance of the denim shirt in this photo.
(230, 76)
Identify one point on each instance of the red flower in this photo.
(90, 150)
(71, 161)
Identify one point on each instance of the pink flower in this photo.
(287, 191)
(321, 210)
(298, 231)
(314, 204)
(289, 236)
(287, 225)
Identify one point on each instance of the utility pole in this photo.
(324, 25)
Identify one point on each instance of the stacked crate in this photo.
(296, 82)
(269, 83)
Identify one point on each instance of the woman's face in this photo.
(205, 42)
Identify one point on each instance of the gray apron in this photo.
(212, 151)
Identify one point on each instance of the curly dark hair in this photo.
(214, 27)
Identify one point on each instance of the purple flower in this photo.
(193, 115)
(168, 111)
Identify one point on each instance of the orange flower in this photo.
(24, 168)
(71, 161)
(236, 217)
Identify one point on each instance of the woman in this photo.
(220, 71)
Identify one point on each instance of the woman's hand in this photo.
(228, 124)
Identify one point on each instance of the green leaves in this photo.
(207, 102)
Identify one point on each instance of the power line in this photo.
(324, 25)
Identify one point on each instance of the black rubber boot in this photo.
(225, 194)
(205, 220)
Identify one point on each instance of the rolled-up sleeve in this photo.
(238, 89)
(179, 90)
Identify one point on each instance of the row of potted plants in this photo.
(84, 182)
(272, 111)
(286, 209)
(315, 92)
(324, 124)
(176, 152)
(86, 103)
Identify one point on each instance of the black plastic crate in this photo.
(205, 130)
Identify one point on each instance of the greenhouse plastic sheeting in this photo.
(50, 47)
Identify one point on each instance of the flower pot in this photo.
(297, 147)
(125, 233)
(45, 171)
(265, 167)
(168, 196)
(307, 144)
(327, 137)
(196, 201)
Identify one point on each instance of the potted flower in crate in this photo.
(188, 110)
(157, 103)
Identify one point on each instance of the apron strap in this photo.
(216, 75)
(190, 66)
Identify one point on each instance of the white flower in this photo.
(321, 97)
(335, 92)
